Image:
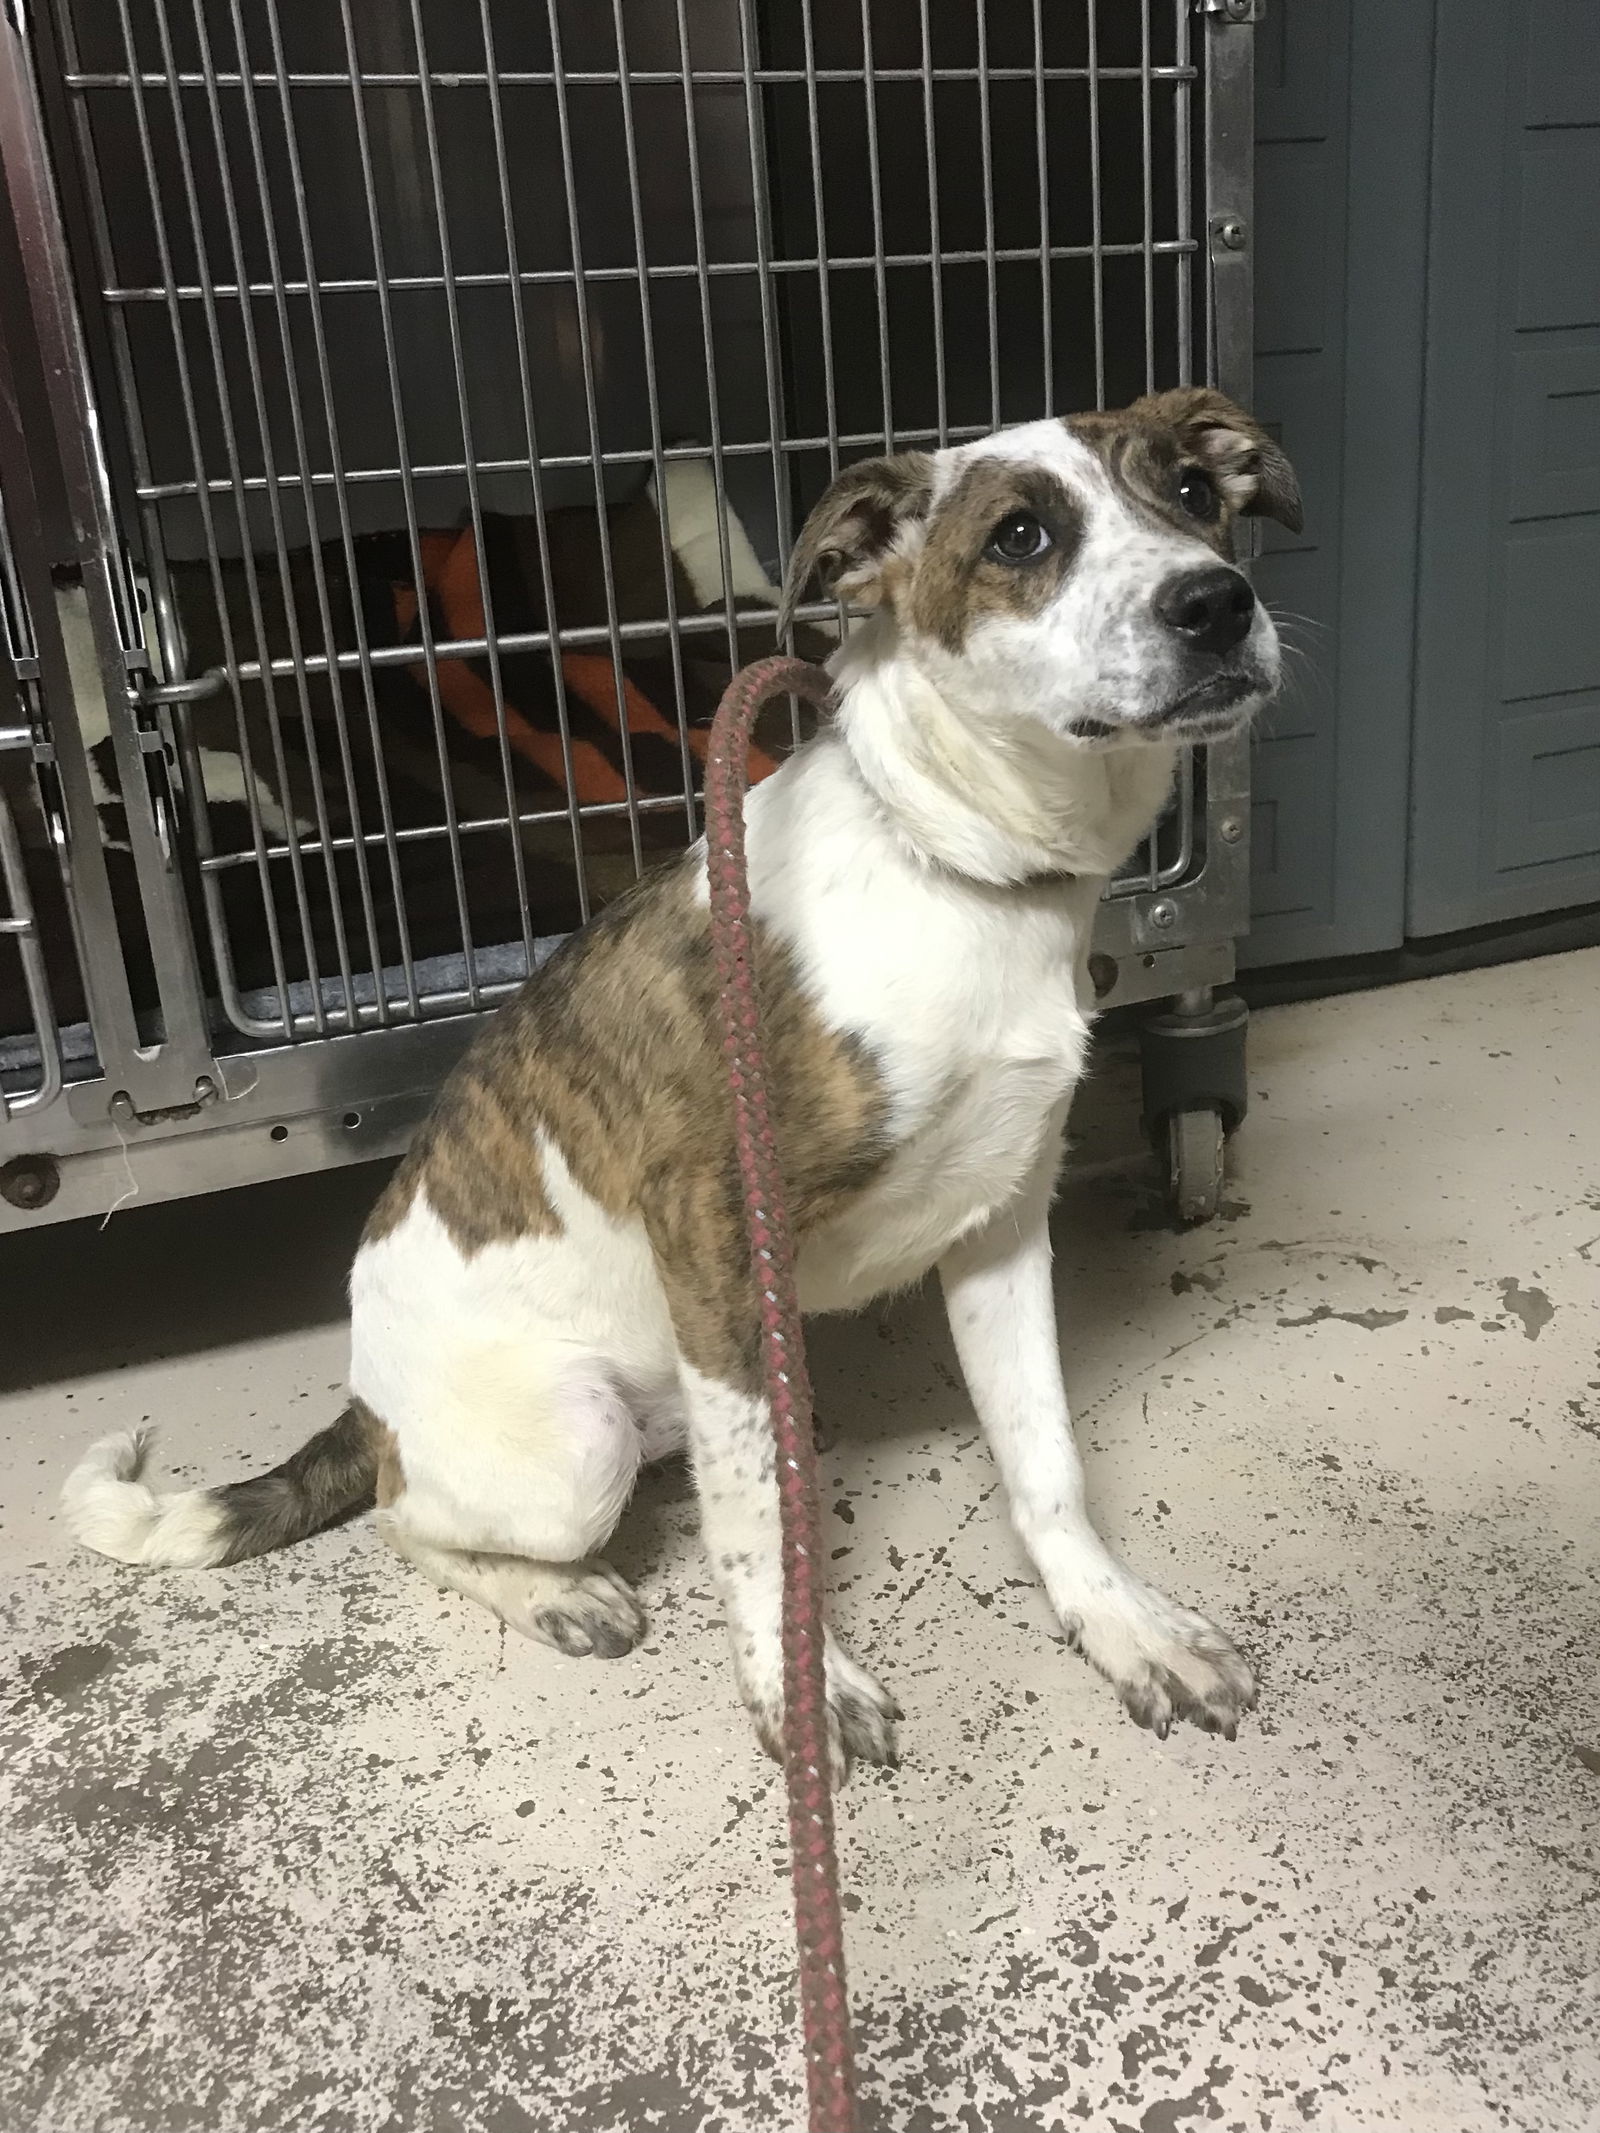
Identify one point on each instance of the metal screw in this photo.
(1163, 914)
(1232, 234)
(30, 1182)
(1230, 829)
(1239, 10)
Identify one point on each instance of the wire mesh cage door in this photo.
(30, 1051)
(472, 366)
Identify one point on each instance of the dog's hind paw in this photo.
(1166, 1662)
(581, 1609)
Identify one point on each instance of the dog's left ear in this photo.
(1250, 468)
(854, 529)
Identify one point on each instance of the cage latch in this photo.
(124, 1112)
(177, 692)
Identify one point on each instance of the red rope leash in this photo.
(824, 2011)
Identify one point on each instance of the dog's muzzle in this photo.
(1209, 611)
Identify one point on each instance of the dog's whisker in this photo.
(1288, 617)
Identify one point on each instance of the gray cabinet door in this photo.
(1342, 91)
(1506, 772)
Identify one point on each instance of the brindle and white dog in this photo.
(554, 1288)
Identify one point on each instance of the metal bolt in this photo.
(1230, 829)
(1239, 10)
(1163, 914)
(1232, 234)
(30, 1182)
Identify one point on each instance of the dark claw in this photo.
(564, 1633)
(861, 1730)
(608, 1643)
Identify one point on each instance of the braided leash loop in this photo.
(824, 2011)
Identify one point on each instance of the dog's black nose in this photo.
(1210, 609)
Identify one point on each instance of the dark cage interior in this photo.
(467, 367)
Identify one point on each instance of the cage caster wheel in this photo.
(1192, 1061)
(1194, 1163)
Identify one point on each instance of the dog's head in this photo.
(1077, 572)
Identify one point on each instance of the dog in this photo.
(555, 1286)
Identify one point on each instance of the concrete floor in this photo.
(308, 1844)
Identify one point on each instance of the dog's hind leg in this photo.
(515, 1520)
(579, 1608)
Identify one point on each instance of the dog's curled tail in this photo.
(110, 1509)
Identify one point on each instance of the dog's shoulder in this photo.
(612, 1053)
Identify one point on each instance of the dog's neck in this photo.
(1002, 801)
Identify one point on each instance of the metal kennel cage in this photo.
(405, 410)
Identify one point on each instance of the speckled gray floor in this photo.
(308, 1844)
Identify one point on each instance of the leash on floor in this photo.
(819, 1931)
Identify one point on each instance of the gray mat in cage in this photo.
(441, 986)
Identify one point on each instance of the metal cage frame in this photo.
(190, 1079)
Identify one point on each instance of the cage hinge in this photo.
(1240, 11)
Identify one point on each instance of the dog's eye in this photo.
(1197, 493)
(1018, 538)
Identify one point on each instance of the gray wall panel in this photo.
(1506, 771)
(1343, 91)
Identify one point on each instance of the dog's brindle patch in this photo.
(614, 1051)
(330, 1476)
(956, 585)
(1145, 448)
(390, 1481)
(1146, 462)
(847, 537)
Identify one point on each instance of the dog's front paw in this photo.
(1164, 1661)
(861, 1714)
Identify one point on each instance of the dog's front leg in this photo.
(1164, 1661)
(730, 1442)
(702, 1260)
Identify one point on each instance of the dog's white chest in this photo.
(982, 1136)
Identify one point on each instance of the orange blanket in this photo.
(589, 761)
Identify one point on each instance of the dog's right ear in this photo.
(855, 528)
